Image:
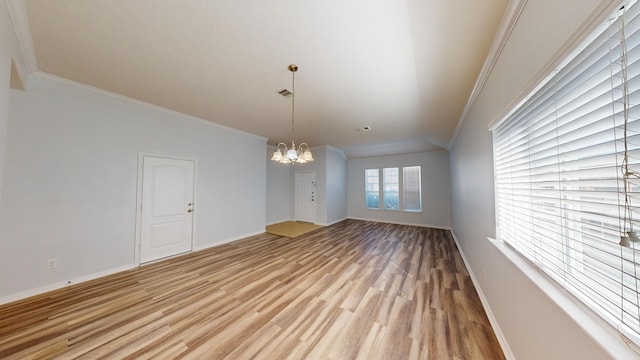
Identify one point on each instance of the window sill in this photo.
(396, 210)
(597, 328)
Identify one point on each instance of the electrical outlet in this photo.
(52, 263)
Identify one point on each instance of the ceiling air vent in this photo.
(284, 92)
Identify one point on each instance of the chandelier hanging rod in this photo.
(293, 154)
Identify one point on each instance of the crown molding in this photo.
(338, 150)
(89, 88)
(595, 19)
(508, 23)
(20, 20)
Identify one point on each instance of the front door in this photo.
(306, 196)
(167, 207)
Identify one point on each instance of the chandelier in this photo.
(292, 154)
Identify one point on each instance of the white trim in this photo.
(502, 340)
(335, 222)
(595, 19)
(602, 333)
(496, 212)
(138, 234)
(295, 201)
(63, 284)
(84, 278)
(226, 241)
(22, 29)
(80, 279)
(440, 227)
(48, 76)
(318, 223)
(398, 155)
(329, 147)
(508, 23)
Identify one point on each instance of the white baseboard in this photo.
(334, 222)
(277, 221)
(316, 223)
(208, 246)
(80, 279)
(485, 304)
(59, 285)
(599, 330)
(403, 223)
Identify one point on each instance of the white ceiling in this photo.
(405, 68)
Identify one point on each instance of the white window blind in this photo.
(394, 182)
(391, 185)
(412, 199)
(372, 188)
(559, 161)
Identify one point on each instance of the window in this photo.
(412, 197)
(567, 169)
(394, 183)
(372, 188)
(391, 185)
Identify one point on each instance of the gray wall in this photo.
(320, 167)
(336, 185)
(9, 51)
(278, 190)
(436, 203)
(71, 180)
(533, 325)
(330, 166)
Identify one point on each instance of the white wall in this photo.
(9, 50)
(5, 71)
(533, 325)
(278, 190)
(436, 203)
(330, 167)
(71, 176)
(336, 185)
(319, 165)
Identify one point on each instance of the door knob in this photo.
(189, 210)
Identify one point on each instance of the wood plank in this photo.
(292, 229)
(355, 289)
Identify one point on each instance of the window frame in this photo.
(400, 186)
(367, 184)
(404, 189)
(574, 252)
(391, 190)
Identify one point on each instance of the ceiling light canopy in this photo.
(290, 155)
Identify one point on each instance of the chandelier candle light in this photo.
(293, 154)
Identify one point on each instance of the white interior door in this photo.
(167, 207)
(306, 196)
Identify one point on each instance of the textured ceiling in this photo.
(405, 68)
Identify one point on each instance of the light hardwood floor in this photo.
(292, 228)
(353, 290)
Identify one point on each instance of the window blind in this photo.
(559, 162)
(411, 197)
(372, 188)
(391, 186)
